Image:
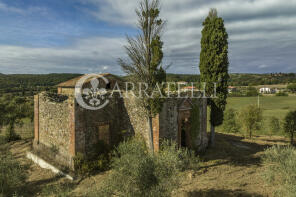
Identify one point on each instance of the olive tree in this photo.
(230, 123)
(290, 124)
(251, 118)
(274, 124)
(292, 87)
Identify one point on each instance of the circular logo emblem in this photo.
(89, 93)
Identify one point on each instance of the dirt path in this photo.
(37, 178)
(232, 168)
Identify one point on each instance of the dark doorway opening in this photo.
(183, 134)
(108, 86)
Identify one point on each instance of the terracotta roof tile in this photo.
(72, 82)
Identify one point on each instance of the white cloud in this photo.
(263, 66)
(268, 25)
(85, 54)
(261, 32)
(23, 11)
(7, 8)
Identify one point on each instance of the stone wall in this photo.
(105, 124)
(63, 128)
(55, 128)
(136, 116)
(169, 120)
(166, 124)
(203, 142)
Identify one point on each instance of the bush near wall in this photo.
(136, 172)
(280, 168)
(97, 161)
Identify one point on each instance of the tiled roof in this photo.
(72, 82)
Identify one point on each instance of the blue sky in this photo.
(83, 36)
(48, 23)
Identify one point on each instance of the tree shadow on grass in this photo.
(50, 185)
(279, 140)
(233, 150)
(220, 193)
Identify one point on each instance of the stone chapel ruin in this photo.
(63, 128)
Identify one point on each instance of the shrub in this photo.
(85, 166)
(274, 125)
(251, 118)
(292, 87)
(230, 123)
(290, 124)
(57, 190)
(12, 174)
(281, 94)
(236, 94)
(251, 91)
(280, 168)
(54, 149)
(183, 158)
(138, 172)
(10, 134)
(12, 112)
(96, 161)
(2, 140)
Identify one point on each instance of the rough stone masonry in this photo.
(63, 128)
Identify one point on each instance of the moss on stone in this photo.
(57, 98)
(195, 124)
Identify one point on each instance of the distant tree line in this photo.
(261, 79)
(29, 84)
(243, 79)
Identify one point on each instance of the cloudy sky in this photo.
(86, 36)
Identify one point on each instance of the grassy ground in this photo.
(277, 106)
(232, 168)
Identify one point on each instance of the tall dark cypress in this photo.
(214, 66)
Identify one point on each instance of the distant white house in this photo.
(231, 89)
(264, 90)
(267, 90)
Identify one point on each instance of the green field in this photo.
(277, 106)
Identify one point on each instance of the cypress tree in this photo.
(145, 57)
(214, 67)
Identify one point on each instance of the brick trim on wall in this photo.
(155, 127)
(36, 118)
(72, 149)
